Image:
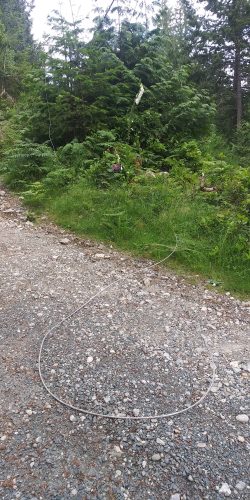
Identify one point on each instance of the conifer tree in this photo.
(16, 44)
(219, 42)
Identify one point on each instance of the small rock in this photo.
(90, 359)
(72, 418)
(241, 439)
(99, 256)
(160, 441)
(234, 364)
(156, 457)
(201, 445)
(136, 412)
(246, 366)
(117, 451)
(3, 438)
(240, 485)
(9, 211)
(2, 193)
(167, 356)
(29, 412)
(246, 304)
(64, 241)
(242, 418)
(225, 490)
(176, 496)
(73, 492)
(118, 473)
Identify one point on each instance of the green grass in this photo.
(146, 219)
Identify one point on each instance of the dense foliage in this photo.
(137, 132)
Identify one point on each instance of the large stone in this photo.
(242, 418)
(136, 412)
(225, 490)
(64, 241)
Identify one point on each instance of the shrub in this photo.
(59, 178)
(189, 154)
(73, 155)
(101, 173)
(27, 162)
(232, 183)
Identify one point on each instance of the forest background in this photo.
(137, 133)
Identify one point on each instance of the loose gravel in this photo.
(142, 348)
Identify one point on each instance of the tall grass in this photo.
(145, 219)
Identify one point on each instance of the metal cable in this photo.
(113, 416)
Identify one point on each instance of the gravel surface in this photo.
(142, 348)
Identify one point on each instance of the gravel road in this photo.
(143, 348)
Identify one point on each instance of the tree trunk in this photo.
(237, 86)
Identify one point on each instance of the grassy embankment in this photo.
(144, 219)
